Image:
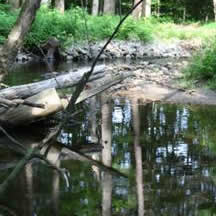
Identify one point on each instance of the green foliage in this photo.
(203, 66)
(71, 27)
(7, 19)
(135, 30)
(101, 27)
(50, 23)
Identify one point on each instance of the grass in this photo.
(70, 27)
(202, 67)
(189, 31)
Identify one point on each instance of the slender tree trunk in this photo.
(137, 13)
(60, 5)
(214, 4)
(158, 8)
(16, 37)
(109, 7)
(146, 10)
(184, 14)
(95, 7)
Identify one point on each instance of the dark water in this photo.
(167, 152)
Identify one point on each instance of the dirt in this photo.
(161, 80)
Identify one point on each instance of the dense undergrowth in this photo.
(202, 67)
(76, 25)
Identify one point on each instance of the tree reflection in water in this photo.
(106, 137)
(168, 152)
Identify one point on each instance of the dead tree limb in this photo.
(62, 81)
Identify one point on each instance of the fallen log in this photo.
(25, 114)
(13, 103)
(105, 84)
(62, 81)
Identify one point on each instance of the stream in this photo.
(167, 152)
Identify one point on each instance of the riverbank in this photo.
(157, 69)
(162, 80)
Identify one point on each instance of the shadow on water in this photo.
(167, 151)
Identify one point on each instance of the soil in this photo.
(162, 81)
(157, 70)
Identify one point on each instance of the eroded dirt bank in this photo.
(161, 80)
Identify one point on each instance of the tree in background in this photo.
(143, 10)
(16, 37)
(59, 5)
(109, 7)
(137, 13)
(95, 7)
(146, 8)
(214, 6)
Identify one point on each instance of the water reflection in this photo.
(106, 137)
(167, 151)
(138, 157)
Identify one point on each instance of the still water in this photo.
(166, 152)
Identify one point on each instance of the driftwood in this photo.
(62, 81)
(25, 114)
(13, 103)
(105, 84)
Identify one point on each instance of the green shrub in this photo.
(101, 27)
(71, 27)
(7, 20)
(135, 30)
(203, 66)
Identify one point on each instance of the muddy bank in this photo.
(161, 80)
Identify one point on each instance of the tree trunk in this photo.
(22, 114)
(146, 10)
(158, 8)
(95, 7)
(184, 14)
(60, 5)
(109, 7)
(14, 4)
(137, 13)
(62, 81)
(17, 35)
(214, 4)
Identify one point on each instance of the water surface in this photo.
(167, 152)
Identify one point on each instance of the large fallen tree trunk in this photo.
(62, 81)
(24, 114)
